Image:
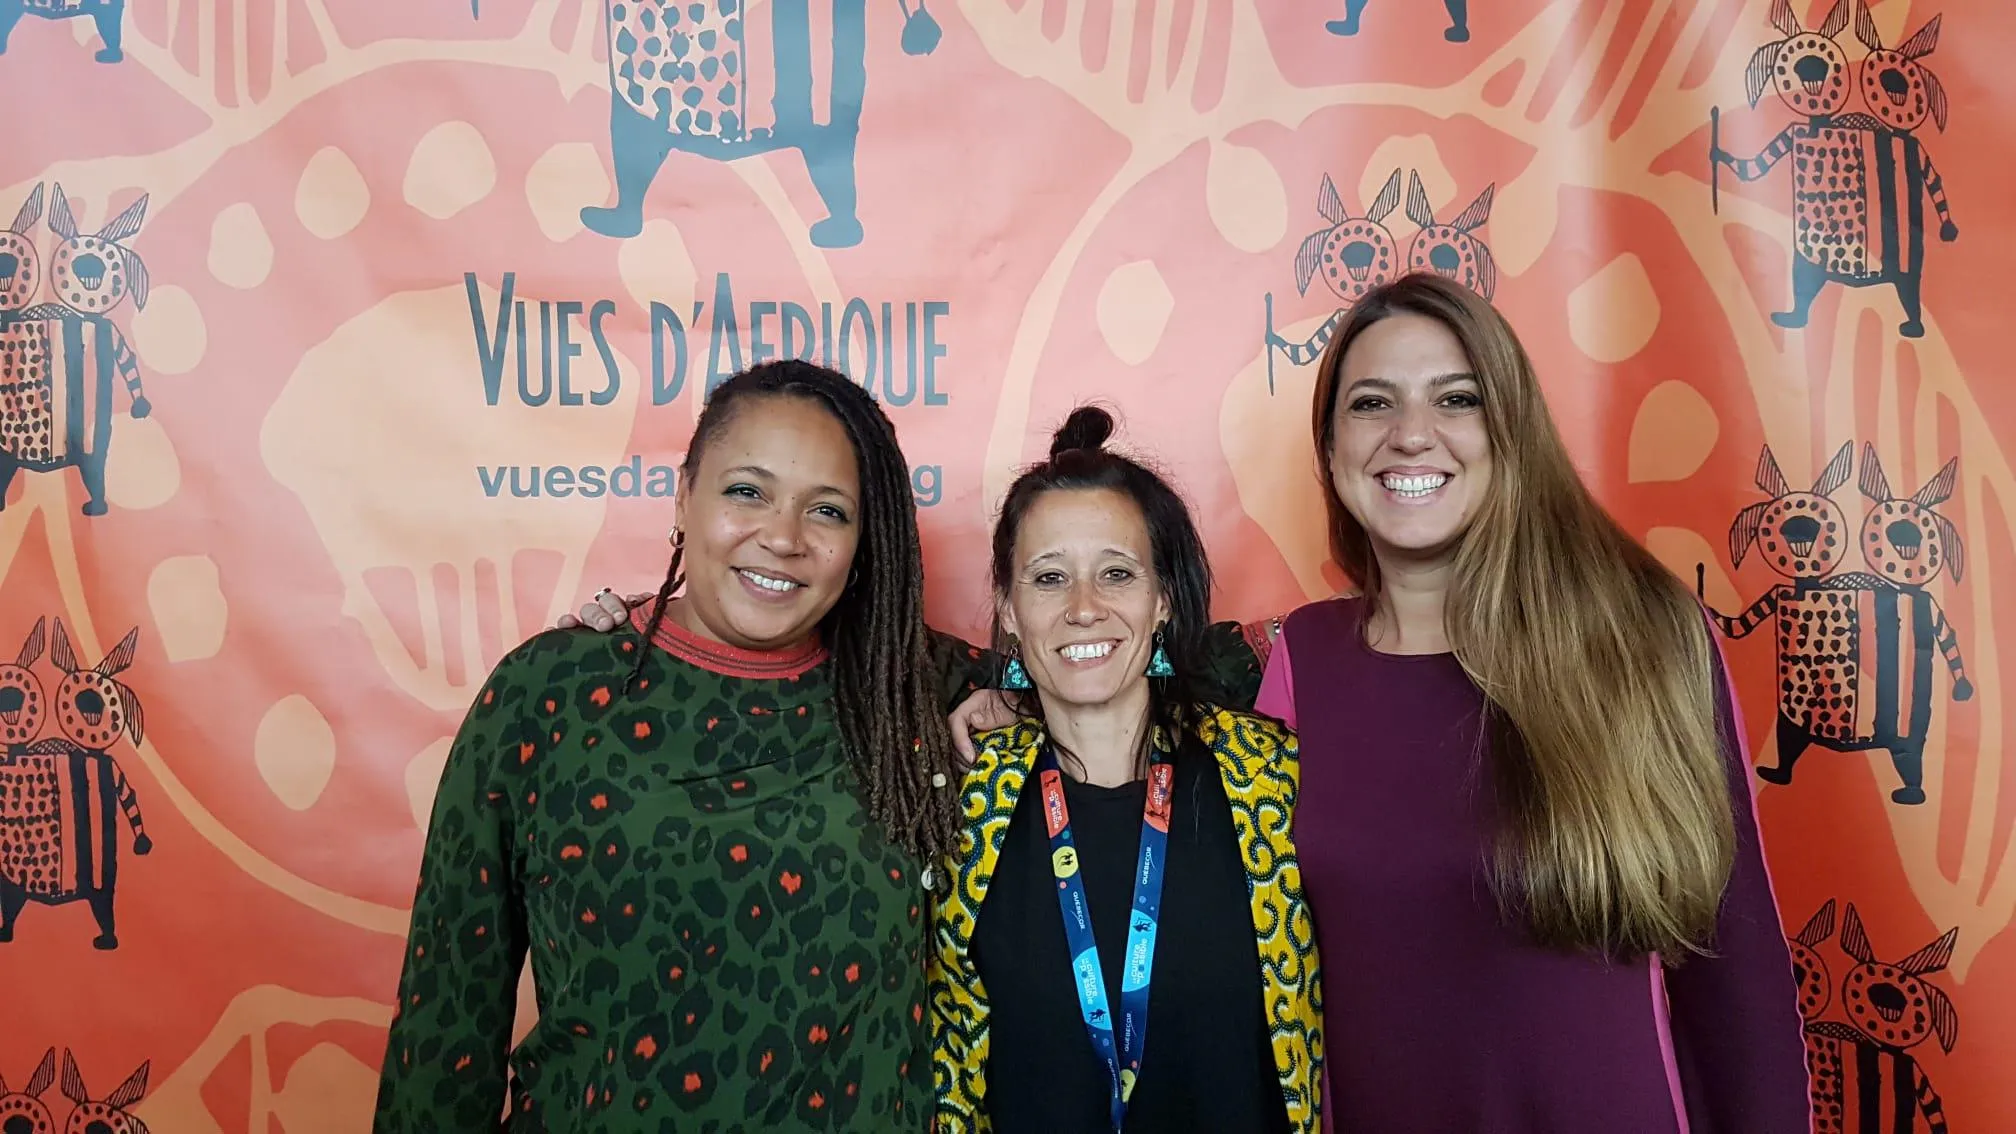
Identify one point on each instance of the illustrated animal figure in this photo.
(1907, 545)
(1859, 180)
(1864, 1078)
(1803, 536)
(1454, 249)
(61, 796)
(1356, 254)
(20, 266)
(58, 360)
(1832, 626)
(1352, 254)
(680, 80)
(109, 15)
(1459, 20)
(23, 1112)
(108, 1115)
(21, 701)
(1816, 985)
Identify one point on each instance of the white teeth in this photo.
(1412, 486)
(1087, 652)
(768, 583)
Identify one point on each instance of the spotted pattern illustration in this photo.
(1803, 536)
(64, 798)
(59, 360)
(1866, 1077)
(1354, 255)
(1860, 178)
(1855, 648)
(681, 64)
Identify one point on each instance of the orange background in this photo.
(1105, 195)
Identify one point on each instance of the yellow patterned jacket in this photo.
(1257, 759)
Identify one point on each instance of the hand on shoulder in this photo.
(605, 612)
(983, 711)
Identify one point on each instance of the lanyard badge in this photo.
(1122, 1056)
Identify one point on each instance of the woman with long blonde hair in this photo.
(1525, 824)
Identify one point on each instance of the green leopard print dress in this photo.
(721, 939)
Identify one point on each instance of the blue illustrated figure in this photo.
(1459, 20)
(57, 360)
(109, 15)
(680, 80)
(65, 805)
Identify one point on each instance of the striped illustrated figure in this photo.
(58, 360)
(1803, 536)
(1860, 180)
(1352, 254)
(1906, 545)
(1865, 1079)
(1356, 254)
(109, 15)
(1855, 648)
(63, 798)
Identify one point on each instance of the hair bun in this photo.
(1088, 427)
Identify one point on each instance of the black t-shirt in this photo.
(1208, 1065)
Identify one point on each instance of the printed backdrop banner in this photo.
(345, 345)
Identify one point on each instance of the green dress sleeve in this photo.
(962, 667)
(445, 1059)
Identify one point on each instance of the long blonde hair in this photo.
(1617, 832)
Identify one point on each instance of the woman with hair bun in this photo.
(792, 690)
(1125, 945)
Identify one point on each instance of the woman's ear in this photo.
(1005, 611)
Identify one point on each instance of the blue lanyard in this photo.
(1124, 1065)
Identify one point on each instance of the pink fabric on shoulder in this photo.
(1277, 684)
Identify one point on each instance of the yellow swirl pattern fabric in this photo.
(1258, 761)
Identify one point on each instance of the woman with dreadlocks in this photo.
(709, 833)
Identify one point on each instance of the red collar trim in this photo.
(720, 657)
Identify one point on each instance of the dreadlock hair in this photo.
(885, 685)
(1080, 462)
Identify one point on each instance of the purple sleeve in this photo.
(1738, 1039)
(1277, 684)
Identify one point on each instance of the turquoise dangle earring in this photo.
(1158, 664)
(1015, 677)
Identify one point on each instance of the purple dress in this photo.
(1438, 1017)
